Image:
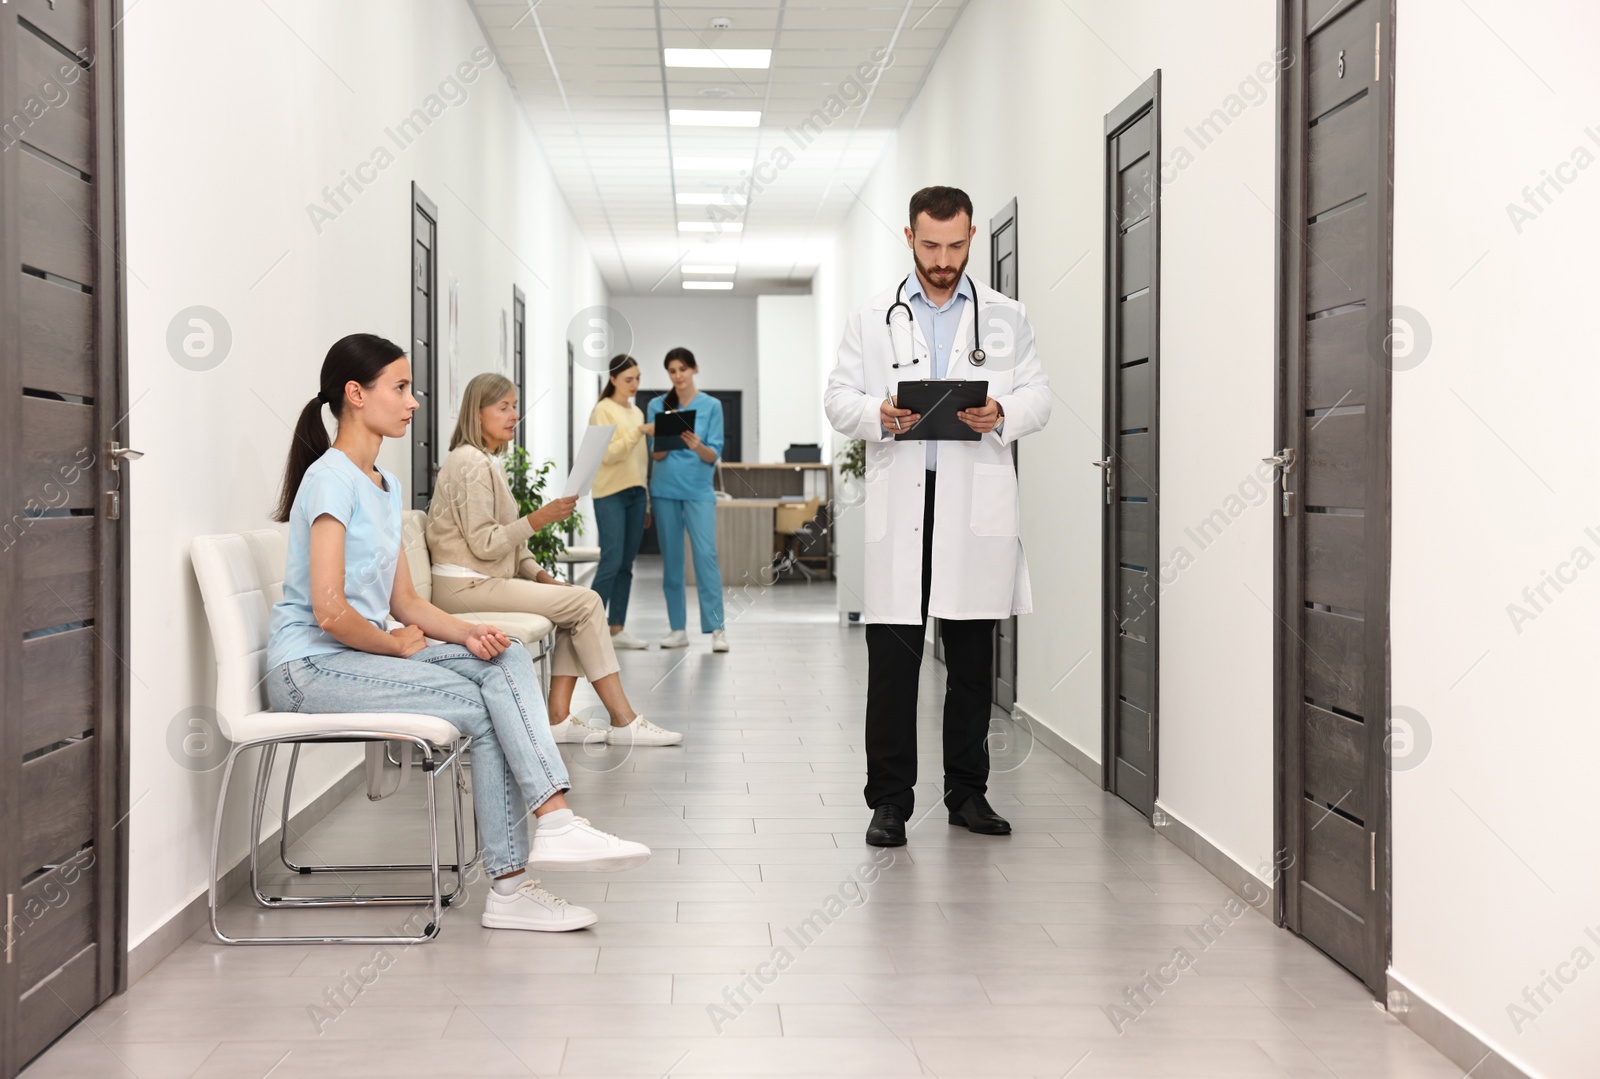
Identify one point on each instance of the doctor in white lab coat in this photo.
(941, 517)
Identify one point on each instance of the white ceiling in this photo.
(591, 76)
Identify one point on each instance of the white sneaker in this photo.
(719, 640)
(627, 642)
(531, 907)
(573, 729)
(579, 845)
(676, 639)
(641, 732)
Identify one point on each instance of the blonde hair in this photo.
(481, 392)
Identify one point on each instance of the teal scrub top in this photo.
(682, 474)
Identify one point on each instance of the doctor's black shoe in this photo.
(976, 815)
(888, 827)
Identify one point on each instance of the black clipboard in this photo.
(938, 400)
(671, 426)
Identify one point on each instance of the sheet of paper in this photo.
(586, 462)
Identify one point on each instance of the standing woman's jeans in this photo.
(673, 515)
(498, 702)
(621, 521)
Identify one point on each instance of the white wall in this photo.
(218, 184)
(1217, 312)
(719, 330)
(1495, 882)
(787, 359)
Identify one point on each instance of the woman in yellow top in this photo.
(479, 545)
(621, 499)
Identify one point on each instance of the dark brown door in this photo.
(519, 359)
(1003, 276)
(1132, 443)
(63, 701)
(424, 346)
(1332, 545)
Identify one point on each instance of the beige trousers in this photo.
(583, 641)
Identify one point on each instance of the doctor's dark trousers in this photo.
(894, 664)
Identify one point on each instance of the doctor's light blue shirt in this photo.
(939, 326)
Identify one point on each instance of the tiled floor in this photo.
(967, 956)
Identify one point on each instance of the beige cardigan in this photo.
(473, 520)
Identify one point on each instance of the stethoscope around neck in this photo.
(976, 357)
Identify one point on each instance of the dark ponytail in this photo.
(679, 353)
(360, 357)
(619, 363)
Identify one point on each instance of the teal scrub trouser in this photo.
(672, 516)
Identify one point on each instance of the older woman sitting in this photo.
(479, 543)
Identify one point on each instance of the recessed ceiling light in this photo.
(691, 198)
(711, 164)
(714, 117)
(741, 58)
(710, 226)
(709, 268)
(708, 284)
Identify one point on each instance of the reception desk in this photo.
(746, 542)
(748, 546)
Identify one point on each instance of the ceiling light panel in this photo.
(739, 59)
(712, 164)
(714, 117)
(695, 198)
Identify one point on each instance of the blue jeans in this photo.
(673, 515)
(498, 702)
(620, 518)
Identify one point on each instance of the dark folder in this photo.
(672, 426)
(938, 400)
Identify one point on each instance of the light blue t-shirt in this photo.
(682, 474)
(371, 518)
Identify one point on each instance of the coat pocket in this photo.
(994, 500)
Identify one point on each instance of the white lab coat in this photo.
(979, 570)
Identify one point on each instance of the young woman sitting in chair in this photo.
(330, 649)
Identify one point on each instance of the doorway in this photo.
(1003, 279)
(519, 359)
(65, 491)
(1130, 513)
(1332, 540)
(424, 346)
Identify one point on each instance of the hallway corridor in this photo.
(969, 956)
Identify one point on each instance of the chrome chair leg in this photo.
(435, 901)
(459, 868)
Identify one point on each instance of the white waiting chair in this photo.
(240, 576)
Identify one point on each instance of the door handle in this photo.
(1108, 465)
(118, 452)
(1284, 462)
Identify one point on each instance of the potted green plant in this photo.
(527, 487)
